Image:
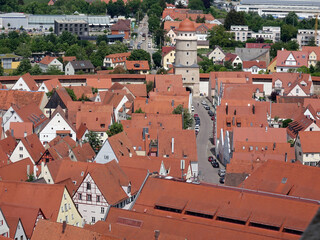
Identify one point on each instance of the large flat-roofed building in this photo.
(305, 36)
(13, 20)
(78, 27)
(280, 9)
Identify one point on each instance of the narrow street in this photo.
(204, 146)
(143, 29)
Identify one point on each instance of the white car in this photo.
(197, 129)
(203, 102)
(192, 109)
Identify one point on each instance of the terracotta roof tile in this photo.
(45, 196)
(285, 178)
(31, 113)
(8, 144)
(99, 83)
(166, 49)
(137, 65)
(94, 121)
(310, 141)
(33, 146)
(52, 83)
(121, 145)
(121, 25)
(258, 45)
(53, 230)
(69, 59)
(16, 171)
(82, 91)
(19, 98)
(137, 90)
(311, 49)
(47, 59)
(84, 153)
(301, 58)
(118, 57)
(19, 129)
(249, 64)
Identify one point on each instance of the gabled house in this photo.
(116, 59)
(254, 66)
(103, 187)
(300, 124)
(53, 199)
(121, 27)
(28, 147)
(60, 97)
(292, 84)
(114, 148)
(313, 55)
(49, 85)
(4, 226)
(7, 146)
(30, 113)
(291, 60)
(28, 218)
(253, 54)
(234, 59)
(48, 62)
(16, 228)
(57, 125)
(217, 55)
(168, 56)
(75, 67)
(98, 122)
(25, 83)
(307, 148)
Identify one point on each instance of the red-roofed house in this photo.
(116, 59)
(121, 27)
(25, 83)
(103, 187)
(168, 56)
(307, 147)
(314, 54)
(20, 130)
(291, 60)
(137, 67)
(254, 66)
(28, 147)
(100, 83)
(258, 45)
(49, 85)
(233, 58)
(50, 62)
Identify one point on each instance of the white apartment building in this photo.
(243, 33)
(305, 35)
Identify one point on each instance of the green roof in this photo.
(8, 55)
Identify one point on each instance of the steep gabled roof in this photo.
(19, 129)
(310, 141)
(300, 57)
(30, 113)
(121, 145)
(16, 171)
(47, 59)
(33, 146)
(28, 79)
(121, 25)
(137, 65)
(79, 65)
(249, 64)
(20, 98)
(52, 83)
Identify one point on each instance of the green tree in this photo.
(115, 129)
(288, 32)
(93, 139)
(155, 10)
(23, 50)
(76, 50)
(234, 18)
(291, 18)
(219, 36)
(156, 57)
(187, 119)
(196, 5)
(149, 86)
(1, 69)
(35, 70)
(139, 111)
(286, 122)
(312, 42)
(153, 23)
(71, 94)
(303, 69)
(140, 54)
(53, 70)
(23, 67)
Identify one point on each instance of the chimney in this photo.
(172, 103)
(172, 145)
(227, 108)
(12, 133)
(146, 100)
(109, 227)
(235, 112)
(266, 129)
(129, 188)
(274, 146)
(24, 135)
(156, 234)
(253, 109)
(285, 157)
(64, 225)
(130, 154)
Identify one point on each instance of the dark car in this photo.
(213, 118)
(207, 107)
(197, 120)
(210, 159)
(222, 172)
(215, 164)
(210, 113)
(221, 180)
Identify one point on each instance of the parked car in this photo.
(221, 180)
(192, 109)
(203, 102)
(207, 107)
(210, 113)
(195, 115)
(197, 129)
(213, 118)
(215, 164)
(210, 159)
(197, 121)
(221, 172)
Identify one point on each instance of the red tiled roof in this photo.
(28, 79)
(121, 145)
(94, 121)
(258, 45)
(33, 146)
(137, 65)
(118, 57)
(166, 50)
(311, 49)
(19, 129)
(249, 64)
(16, 171)
(137, 90)
(285, 178)
(99, 83)
(47, 59)
(310, 141)
(69, 59)
(53, 230)
(121, 25)
(20, 98)
(300, 57)
(52, 83)
(30, 113)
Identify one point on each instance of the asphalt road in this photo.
(204, 146)
(144, 29)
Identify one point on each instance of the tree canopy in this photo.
(115, 129)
